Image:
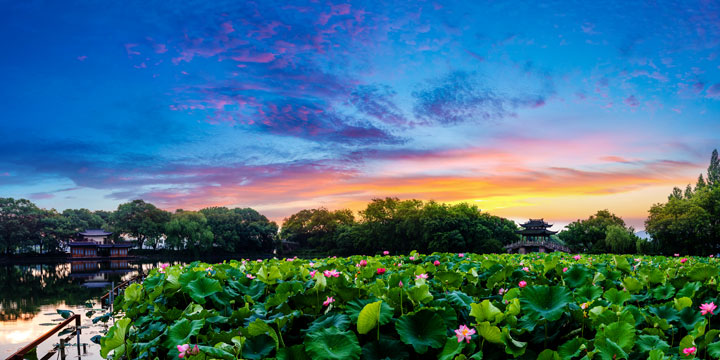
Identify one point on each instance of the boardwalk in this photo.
(523, 247)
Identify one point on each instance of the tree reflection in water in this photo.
(25, 288)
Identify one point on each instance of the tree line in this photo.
(26, 228)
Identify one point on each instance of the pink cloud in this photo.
(246, 56)
(82, 58)
(160, 48)
(631, 101)
(130, 51)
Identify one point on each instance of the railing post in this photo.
(62, 349)
(77, 331)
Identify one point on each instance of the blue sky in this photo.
(541, 109)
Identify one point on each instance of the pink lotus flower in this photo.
(312, 264)
(328, 301)
(577, 257)
(711, 255)
(461, 255)
(522, 284)
(526, 269)
(502, 291)
(381, 271)
(400, 284)
(259, 260)
(565, 269)
(386, 252)
(689, 351)
(436, 263)
(637, 259)
(312, 273)
(329, 273)
(289, 259)
(708, 308)
(584, 305)
(421, 276)
(163, 267)
(363, 262)
(676, 255)
(412, 258)
(464, 333)
(683, 260)
(250, 276)
(185, 350)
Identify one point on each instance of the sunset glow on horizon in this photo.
(545, 109)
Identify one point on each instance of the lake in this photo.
(31, 294)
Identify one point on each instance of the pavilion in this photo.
(96, 243)
(535, 238)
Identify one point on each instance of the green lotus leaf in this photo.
(269, 276)
(420, 294)
(714, 350)
(646, 343)
(489, 332)
(688, 317)
(577, 276)
(259, 327)
(258, 347)
(616, 297)
(295, 352)
(609, 350)
(543, 302)
(459, 299)
(200, 289)
(449, 279)
(369, 317)
(133, 293)
(665, 312)
(115, 338)
(622, 264)
(686, 342)
(512, 346)
(332, 343)
(656, 354)
(688, 290)
(632, 285)
(682, 302)
(663, 292)
(548, 354)
(216, 352)
(354, 307)
(66, 314)
(571, 348)
(588, 293)
(451, 349)
(180, 332)
(332, 319)
(702, 272)
(486, 311)
(385, 348)
(621, 333)
(421, 330)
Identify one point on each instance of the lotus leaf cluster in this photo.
(437, 306)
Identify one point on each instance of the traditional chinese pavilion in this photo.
(96, 243)
(536, 230)
(535, 238)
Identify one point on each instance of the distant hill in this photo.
(643, 235)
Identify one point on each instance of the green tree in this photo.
(689, 224)
(589, 235)
(141, 220)
(188, 230)
(239, 229)
(20, 225)
(315, 227)
(621, 240)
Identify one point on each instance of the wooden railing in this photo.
(545, 244)
(20, 354)
(116, 290)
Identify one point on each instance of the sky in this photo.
(526, 109)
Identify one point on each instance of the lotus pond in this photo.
(446, 306)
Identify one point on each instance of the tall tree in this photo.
(141, 220)
(589, 235)
(189, 230)
(236, 230)
(713, 173)
(20, 224)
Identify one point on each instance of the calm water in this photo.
(30, 296)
